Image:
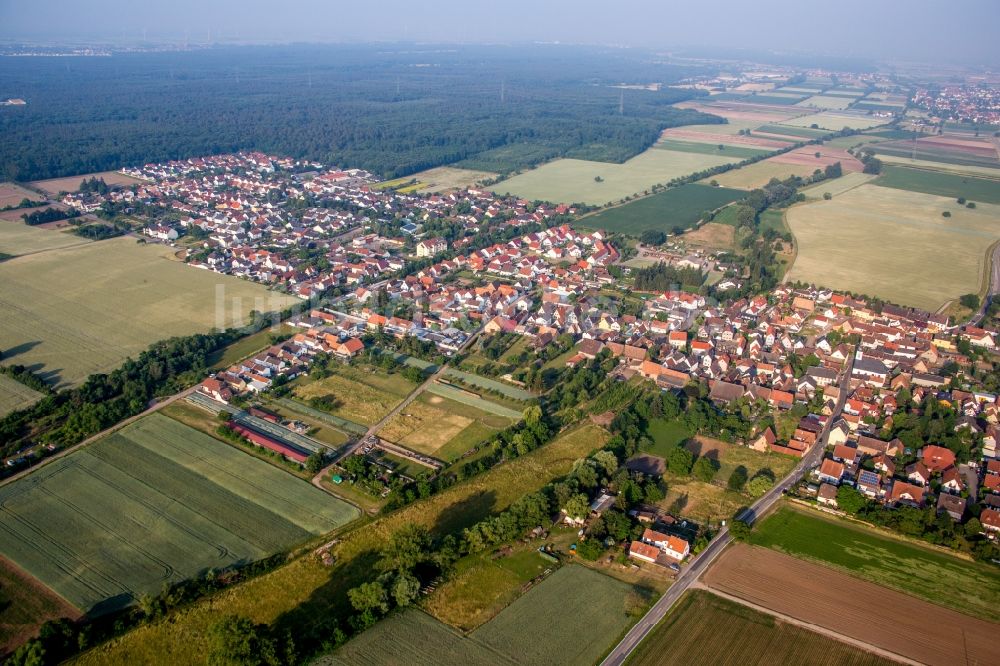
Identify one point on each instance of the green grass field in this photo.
(363, 395)
(788, 130)
(666, 435)
(965, 586)
(14, 395)
(742, 152)
(921, 258)
(572, 617)
(706, 629)
(484, 404)
(980, 190)
(85, 309)
(835, 103)
(572, 181)
(512, 392)
(305, 593)
(156, 502)
(676, 207)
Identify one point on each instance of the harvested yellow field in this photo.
(424, 428)
(85, 309)
(827, 102)
(760, 173)
(837, 186)
(17, 239)
(54, 186)
(574, 181)
(443, 179)
(836, 121)
(14, 395)
(894, 244)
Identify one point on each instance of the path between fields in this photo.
(697, 566)
(815, 628)
(93, 438)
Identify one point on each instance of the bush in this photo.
(739, 530)
(970, 301)
(705, 468)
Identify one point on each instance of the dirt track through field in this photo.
(852, 607)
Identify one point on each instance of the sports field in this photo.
(306, 594)
(572, 617)
(920, 258)
(440, 427)
(14, 395)
(17, 238)
(705, 628)
(572, 181)
(442, 179)
(84, 309)
(360, 395)
(676, 207)
(969, 587)
(156, 502)
(979, 190)
(835, 121)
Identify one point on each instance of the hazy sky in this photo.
(950, 30)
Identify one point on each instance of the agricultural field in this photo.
(72, 183)
(712, 236)
(12, 194)
(835, 121)
(25, 605)
(305, 593)
(675, 207)
(442, 428)
(481, 585)
(14, 396)
(85, 309)
(690, 633)
(801, 133)
(443, 179)
(157, 502)
(936, 165)
(830, 102)
(705, 148)
(938, 577)
(17, 239)
(948, 148)
(837, 186)
(942, 184)
(602, 609)
(507, 390)
(710, 136)
(362, 396)
(838, 602)
(460, 395)
(760, 173)
(835, 247)
(572, 181)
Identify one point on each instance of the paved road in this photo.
(700, 563)
(993, 289)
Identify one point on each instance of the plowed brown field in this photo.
(840, 603)
(827, 156)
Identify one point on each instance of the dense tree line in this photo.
(347, 105)
(48, 215)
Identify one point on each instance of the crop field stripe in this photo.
(982, 190)
(678, 206)
(458, 395)
(483, 382)
(711, 148)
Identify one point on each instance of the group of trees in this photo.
(664, 277)
(51, 214)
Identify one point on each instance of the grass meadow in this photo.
(979, 190)
(968, 587)
(705, 628)
(156, 502)
(306, 593)
(676, 207)
(572, 181)
(85, 309)
(572, 617)
(362, 396)
(920, 258)
(440, 427)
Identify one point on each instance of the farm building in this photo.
(269, 443)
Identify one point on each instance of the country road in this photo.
(693, 571)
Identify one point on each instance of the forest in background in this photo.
(393, 110)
